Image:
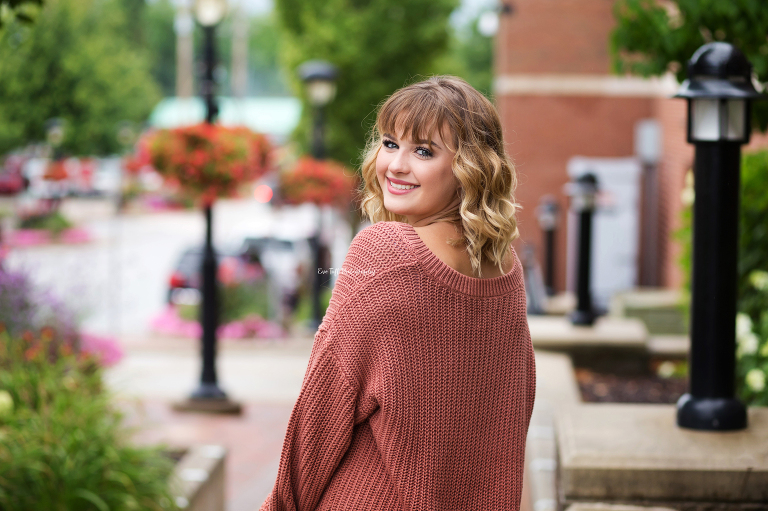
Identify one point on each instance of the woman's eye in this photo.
(389, 144)
(426, 152)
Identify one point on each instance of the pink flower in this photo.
(106, 350)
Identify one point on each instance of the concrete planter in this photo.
(627, 457)
(198, 480)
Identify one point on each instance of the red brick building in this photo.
(558, 99)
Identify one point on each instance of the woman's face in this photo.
(423, 176)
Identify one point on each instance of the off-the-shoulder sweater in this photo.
(419, 388)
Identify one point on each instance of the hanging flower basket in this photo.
(206, 161)
(321, 182)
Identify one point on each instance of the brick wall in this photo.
(555, 36)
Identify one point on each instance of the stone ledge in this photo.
(198, 480)
(598, 506)
(557, 333)
(621, 452)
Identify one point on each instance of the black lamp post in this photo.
(320, 79)
(208, 396)
(583, 194)
(718, 90)
(547, 214)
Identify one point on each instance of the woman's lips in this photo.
(395, 191)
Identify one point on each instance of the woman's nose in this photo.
(400, 162)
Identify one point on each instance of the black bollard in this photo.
(547, 212)
(583, 195)
(718, 90)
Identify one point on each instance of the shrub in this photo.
(63, 446)
(236, 301)
(25, 308)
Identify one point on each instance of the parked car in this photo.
(286, 261)
(233, 266)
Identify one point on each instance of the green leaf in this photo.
(92, 498)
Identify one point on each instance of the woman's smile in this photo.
(399, 189)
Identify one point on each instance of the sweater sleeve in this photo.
(319, 433)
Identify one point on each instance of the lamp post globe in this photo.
(319, 76)
(209, 12)
(719, 91)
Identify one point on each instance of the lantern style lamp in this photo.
(719, 91)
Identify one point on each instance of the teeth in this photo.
(401, 187)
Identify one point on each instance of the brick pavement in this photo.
(264, 376)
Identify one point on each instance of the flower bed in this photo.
(63, 444)
(33, 237)
(169, 322)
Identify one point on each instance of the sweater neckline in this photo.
(456, 280)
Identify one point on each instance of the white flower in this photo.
(6, 403)
(759, 280)
(755, 380)
(666, 369)
(747, 345)
(687, 196)
(743, 325)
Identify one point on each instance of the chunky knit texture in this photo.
(419, 388)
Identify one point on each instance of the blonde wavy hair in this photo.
(469, 124)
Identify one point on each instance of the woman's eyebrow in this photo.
(429, 142)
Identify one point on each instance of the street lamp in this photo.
(718, 91)
(208, 396)
(583, 194)
(320, 79)
(547, 212)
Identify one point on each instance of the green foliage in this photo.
(265, 77)
(53, 221)
(753, 249)
(752, 302)
(159, 39)
(18, 10)
(77, 63)
(303, 312)
(652, 37)
(63, 446)
(236, 301)
(470, 56)
(378, 46)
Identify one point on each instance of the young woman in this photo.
(421, 381)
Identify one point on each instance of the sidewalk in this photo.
(264, 376)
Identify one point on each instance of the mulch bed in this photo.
(598, 387)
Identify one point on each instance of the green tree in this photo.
(75, 62)
(20, 10)
(470, 56)
(265, 76)
(378, 46)
(159, 40)
(655, 36)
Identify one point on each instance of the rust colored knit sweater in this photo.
(419, 389)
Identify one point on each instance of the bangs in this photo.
(415, 115)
